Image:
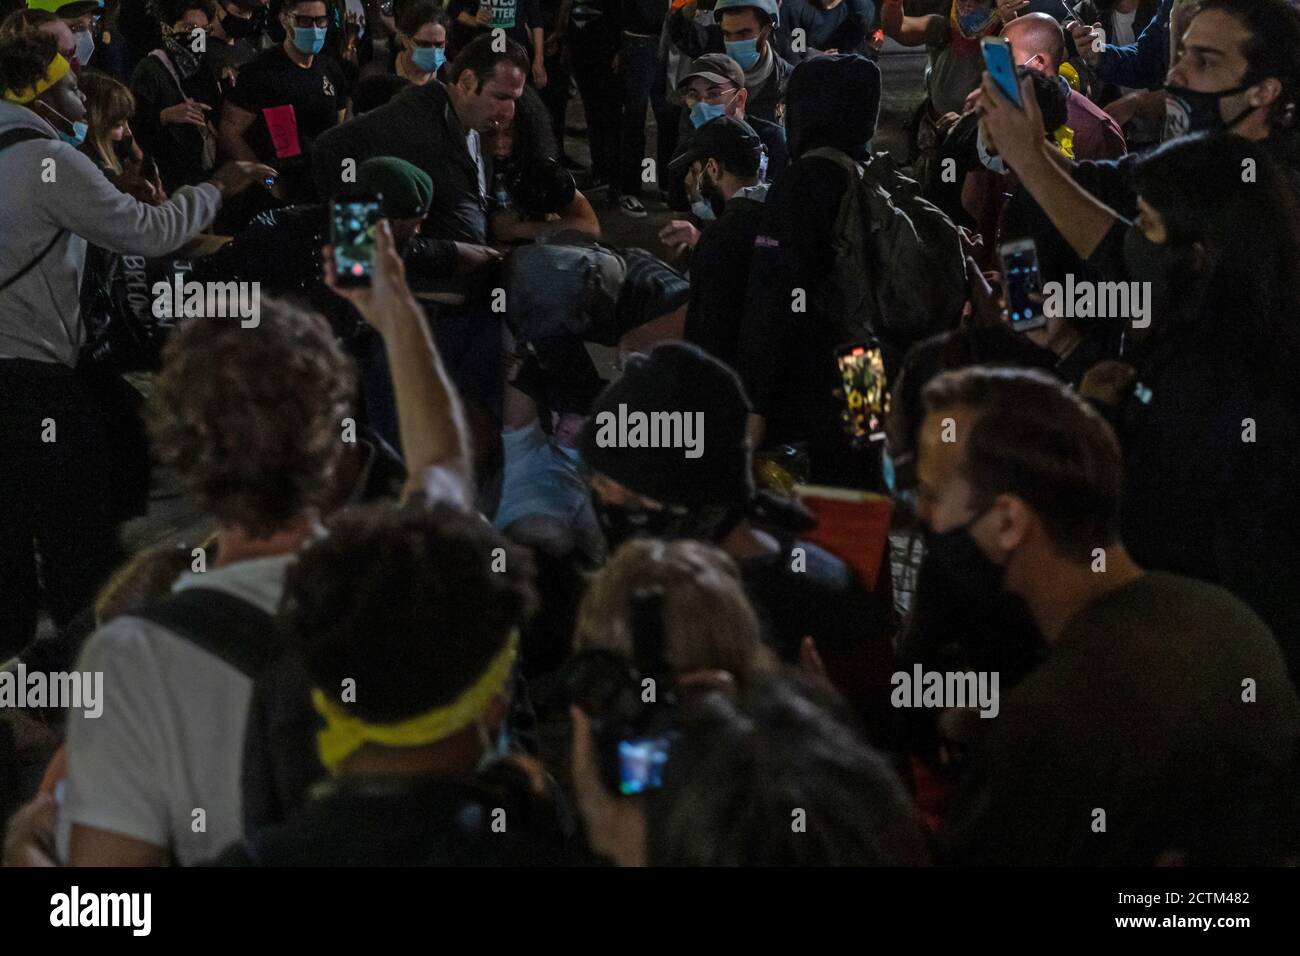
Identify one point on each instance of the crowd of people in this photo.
(537, 549)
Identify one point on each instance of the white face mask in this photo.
(993, 164)
(85, 46)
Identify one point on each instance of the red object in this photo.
(852, 525)
(282, 124)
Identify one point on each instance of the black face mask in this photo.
(619, 524)
(237, 28)
(965, 571)
(178, 50)
(1187, 111)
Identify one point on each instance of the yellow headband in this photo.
(57, 69)
(345, 733)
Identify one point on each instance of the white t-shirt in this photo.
(170, 739)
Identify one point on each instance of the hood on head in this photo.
(832, 101)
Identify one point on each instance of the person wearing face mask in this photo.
(237, 35)
(421, 763)
(724, 155)
(421, 48)
(56, 502)
(1238, 72)
(175, 96)
(1019, 484)
(744, 32)
(1216, 253)
(46, 22)
(661, 492)
(83, 18)
(285, 98)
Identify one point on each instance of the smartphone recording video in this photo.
(641, 764)
(1022, 280)
(866, 396)
(352, 233)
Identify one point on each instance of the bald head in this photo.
(1037, 37)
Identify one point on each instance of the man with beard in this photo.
(1162, 720)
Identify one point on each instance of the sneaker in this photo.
(631, 206)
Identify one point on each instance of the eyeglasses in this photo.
(712, 95)
(319, 22)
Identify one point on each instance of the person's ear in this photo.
(1012, 519)
(467, 82)
(1264, 93)
(740, 100)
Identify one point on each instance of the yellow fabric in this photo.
(345, 733)
(1064, 139)
(1071, 75)
(57, 69)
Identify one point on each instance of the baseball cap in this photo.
(726, 138)
(716, 68)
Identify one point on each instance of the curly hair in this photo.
(251, 418)
(24, 58)
(412, 603)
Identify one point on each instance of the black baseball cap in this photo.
(726, 138)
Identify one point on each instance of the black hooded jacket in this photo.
(784, 356)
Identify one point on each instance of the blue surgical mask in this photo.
(309, 40)
(79, 127)
(703, 210)
(702, 112)
(744, 52)
(78, 134)
(427, 58)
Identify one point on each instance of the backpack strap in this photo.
(10, 138)
(225, 626)
(838, 157)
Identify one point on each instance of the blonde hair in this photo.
(708, 621)
(108, 103)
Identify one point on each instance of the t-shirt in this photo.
(841, 28)
(516, 17)
(1138, 711)
(170, 739)
(542, 478)
(316, 93)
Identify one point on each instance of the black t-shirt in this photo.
(317, 93)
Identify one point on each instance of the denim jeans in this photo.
(639, 67)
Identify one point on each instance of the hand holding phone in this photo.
(997, 59)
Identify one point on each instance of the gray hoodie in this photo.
(48, 185)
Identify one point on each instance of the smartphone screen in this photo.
(866, 397)
(352, 232)
(997, 57)
(1022, 278)
(641, 764)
